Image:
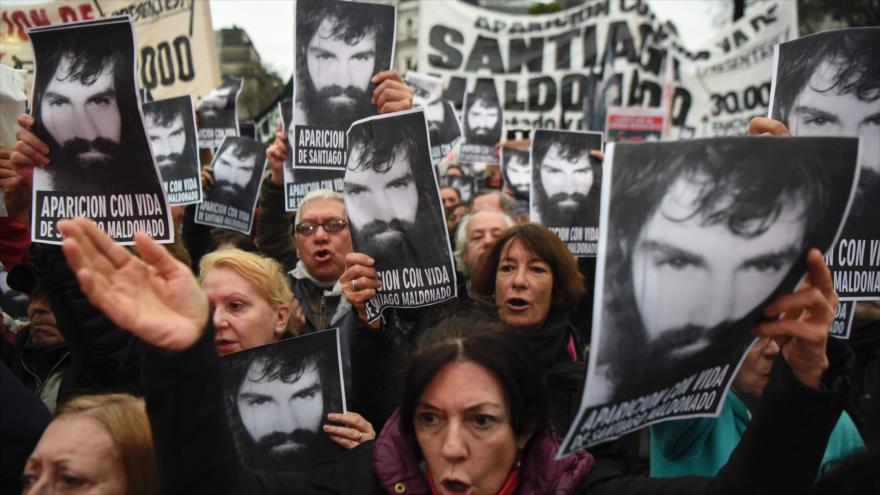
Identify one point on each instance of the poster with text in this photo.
(828, 84)
(218, 113)
(395, 213)
(237, 168)
(339, 47)
(171, 128)
(634, 124)
(697, 238)
(277, 398)
(565, 187)
(425, 87)
(482, 123)
(844, 315)
(86, 107)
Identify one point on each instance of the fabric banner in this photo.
(171, 128)
(683, 277)
(561, 70)
(175, 39)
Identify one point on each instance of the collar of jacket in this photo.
(330, 290)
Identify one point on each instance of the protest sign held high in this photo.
(395, 211)
(277, 398)
(483, 122)
(218, 113)
(171, 128)
(697, 237)
(86, 109)
(444, 128)
(230, 201)
(425, 88)
(516, 171)
(828, 84)
(339, 47)
(565, 187)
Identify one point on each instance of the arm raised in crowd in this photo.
(391, 93)
(274, 224)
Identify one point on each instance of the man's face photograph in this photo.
(82, 117)
(692, 279)
(381, 206)
(566, 184)
(216, 102)
(340, 72)
(282, 415)
(481, 122)
(233, 173)
(167, 141)
(517, 171)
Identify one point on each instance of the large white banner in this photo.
(561, 70)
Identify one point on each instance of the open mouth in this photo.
(225, 346)
(455, 486)
(517, 304)
(322, 255)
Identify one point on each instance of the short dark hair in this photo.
(480, 338)
(162, 115)
(568, 283)
(855, 54)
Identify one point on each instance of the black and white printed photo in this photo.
(444, 128)
(237, 169)
(466, 185)
(516, 171)
(218, 113)
(483, 123)
(277, 398)
(171, 128)
(698, 236)
(566, 183)
(86, 109)
(339, 47)
(425, 87)
(828, 84)
(394, 207)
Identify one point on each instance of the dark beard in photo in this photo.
(294, 460)
(322, 113)
(70, 172)
(482, 135)
(171, 166)
(228, 193)
(554, 214)
(398, 249)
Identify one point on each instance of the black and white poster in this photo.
(396, 216)
(425, 87)
(466, 185)
(444, 128)
(86, 107)
(171, 128)
(299, 183)
(230, 201)
(482, 122)
(566, 183)
(218, 113)
(516, 172)
(844, 314)
(697, 238)
(828, 84)
(277, 398)
(339, 47)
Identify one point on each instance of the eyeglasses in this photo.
(309, 228)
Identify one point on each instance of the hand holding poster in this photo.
(171, 128)
(218, 113)
(86, 110)
(565, 187)
(697, 238)
(425, 88)
(395, 211)
(230, 201)
(828, 84)
(340, 46)
(483, 123)
(277, 399)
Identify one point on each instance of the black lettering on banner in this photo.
(166, 58)
(120, 215)
(319, 147)
(450, 57)
(733, 102)
(844, 314)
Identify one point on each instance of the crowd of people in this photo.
(116, 384)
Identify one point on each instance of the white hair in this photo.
(461, 240)
(318, 194)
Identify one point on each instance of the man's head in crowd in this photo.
(482, 119)
(234, 169)
(340, 47)
(490, 199)
(699, 238)
(455, 217)
(566, 185)
(321, 234)
(450, 197)
(517, 171)
(44, 331)
(281, 396)
(475, 233)
(167, 134)
(383, 197)
(79, 109)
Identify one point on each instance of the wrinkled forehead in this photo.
(319, 209)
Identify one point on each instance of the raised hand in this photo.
(359, 282)
(276, 153)
(806, 316)
(156, 298)
(29, 151)
(391, 94)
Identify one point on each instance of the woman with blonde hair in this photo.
(96, 444)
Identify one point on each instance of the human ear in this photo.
(282, 314)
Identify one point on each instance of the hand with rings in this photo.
(354, 285)
(349, 429)
(359, 281)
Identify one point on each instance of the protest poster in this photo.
(299, 183)
(697, 238)
(174, 39)
(277, 397)
(237, 168)
(482, 123)
(395, 213)
(444, 128)
(218, 113)
(425, 87)
(565, 187)
(339, 47)
(826, 84)
(466, 185)
(86, 109)
(516, 171)
(634, 124)
(844, 314)
(171, 128)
